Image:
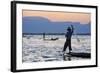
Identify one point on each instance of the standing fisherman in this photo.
(68, 38)
(43, 36)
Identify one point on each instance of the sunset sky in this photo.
(83, 18)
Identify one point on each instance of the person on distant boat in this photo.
(68, 36)
(43, 36)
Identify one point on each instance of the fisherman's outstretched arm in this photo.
(72, 28)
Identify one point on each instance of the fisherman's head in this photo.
(68, 29)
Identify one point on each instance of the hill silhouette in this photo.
(34, 24)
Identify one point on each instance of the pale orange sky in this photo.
(83, 18)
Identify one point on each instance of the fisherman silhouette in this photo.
(68, 36)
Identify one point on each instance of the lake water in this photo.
(35, 49)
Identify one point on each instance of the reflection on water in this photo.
(67, 58)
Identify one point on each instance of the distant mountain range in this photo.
(42, 25)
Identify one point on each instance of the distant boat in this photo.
(54, 39)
